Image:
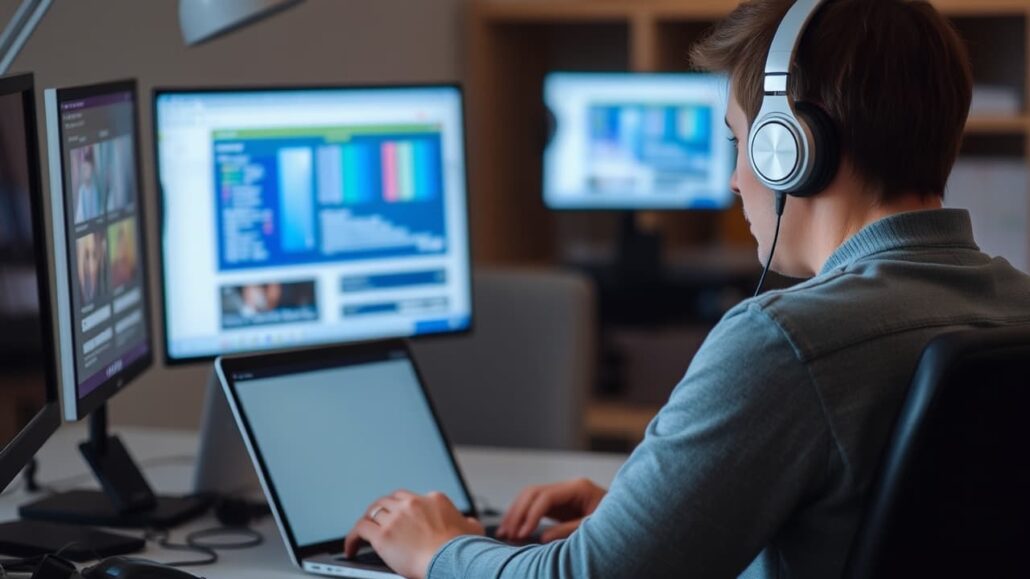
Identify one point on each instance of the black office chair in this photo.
(952, 498)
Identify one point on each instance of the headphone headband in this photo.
(788, 36)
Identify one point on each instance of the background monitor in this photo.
(102, 294)
(300, 216)
(28, 390)
(628, 141)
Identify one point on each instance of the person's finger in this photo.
(560, 531)
(513, 517)
(364, 531)
(476, 525)
(403, 495)
(382, 509)
(534, 514)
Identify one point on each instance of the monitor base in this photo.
(36, 538)
(81, 507)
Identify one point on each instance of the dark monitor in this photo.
(28, 390)
(299, 216)
(635, 141)
(29, 409)
(100, 260)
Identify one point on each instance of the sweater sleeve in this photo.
(737, 448)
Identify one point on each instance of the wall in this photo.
(319, 41)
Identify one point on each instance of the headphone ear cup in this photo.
(826, 146)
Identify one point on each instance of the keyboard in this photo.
(366, 557)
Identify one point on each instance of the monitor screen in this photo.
(29, 411)
(102, 286)
(294, 217)
(626, 141)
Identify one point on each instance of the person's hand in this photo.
(406, 530)
(567, 502)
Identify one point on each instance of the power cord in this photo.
(162, 538)
(781, 203)
(234, 516)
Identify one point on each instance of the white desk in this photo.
(494, 476)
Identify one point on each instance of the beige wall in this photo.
(320, 41)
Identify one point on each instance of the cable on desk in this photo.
(161, 537)
(202, 539)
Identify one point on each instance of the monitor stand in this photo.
(126, 501)
(639, 253)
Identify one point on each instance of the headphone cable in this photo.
(781, 203)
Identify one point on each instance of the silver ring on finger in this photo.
(375, 512)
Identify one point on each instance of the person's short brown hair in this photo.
(893, 75)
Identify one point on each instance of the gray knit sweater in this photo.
(759, 462)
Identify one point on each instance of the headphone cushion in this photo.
(826, 146)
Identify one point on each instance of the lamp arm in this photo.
(18, 30)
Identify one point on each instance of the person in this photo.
(759, 463)
(90, 251)
(87, 196)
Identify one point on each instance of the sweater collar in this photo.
(932, 228)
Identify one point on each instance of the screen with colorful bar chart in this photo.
(295, 217)
(626, 141)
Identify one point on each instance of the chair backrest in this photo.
(522, 377)
(952, 498)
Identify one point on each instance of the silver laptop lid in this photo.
(332, 429)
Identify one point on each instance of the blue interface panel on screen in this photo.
(294, 217)
(626, 141)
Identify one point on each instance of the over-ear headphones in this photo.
(793, 148)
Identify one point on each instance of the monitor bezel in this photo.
(76, 408)
(20, 450)
(158, 92)
(622, 208)
(321, 357)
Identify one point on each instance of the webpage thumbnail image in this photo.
(102, 178)
(122, 247)
(649, 148)
(108, 285)
(272, 303)
(91, 268)
(336, 194)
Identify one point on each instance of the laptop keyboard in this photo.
(368, 557)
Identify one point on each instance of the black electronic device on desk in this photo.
(102, 295)
(28, 383)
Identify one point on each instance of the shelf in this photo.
(997, 125)
(617, 10)
(619, 420)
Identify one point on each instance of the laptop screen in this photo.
(335, 437)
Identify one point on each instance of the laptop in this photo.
(329, 431)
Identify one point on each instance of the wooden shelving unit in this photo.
(514, 43)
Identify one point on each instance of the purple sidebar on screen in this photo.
(93, 382)
(97, 101)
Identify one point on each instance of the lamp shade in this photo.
(203, 20)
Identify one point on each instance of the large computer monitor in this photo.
(28, 382)
(633, 141)
(102, 296)
(97, 209)
(28, 388)
(300, 216)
